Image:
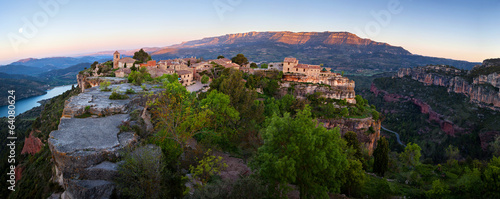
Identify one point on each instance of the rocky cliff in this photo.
(340, 88)
(446, 125)
(367, 129)
(482, 90)
(84, 150)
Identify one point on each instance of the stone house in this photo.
(122, 72)
(186, 77)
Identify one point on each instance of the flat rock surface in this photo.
(87, 133)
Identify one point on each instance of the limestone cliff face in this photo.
(84, 150)
(483, 90)
(343, 89)
(446, 125)
(360, 127)
(292, 38)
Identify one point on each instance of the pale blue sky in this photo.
(458, 29)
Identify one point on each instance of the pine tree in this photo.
(381, 155)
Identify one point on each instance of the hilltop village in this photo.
(191, 70)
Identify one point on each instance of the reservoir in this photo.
(26, 104)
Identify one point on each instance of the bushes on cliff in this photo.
(138, 77)
(140, 174)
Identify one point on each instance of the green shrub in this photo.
(130, 91)
(115, 95)
(104, 86)
(140, 174)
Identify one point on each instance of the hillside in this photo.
(338, 50)
(24, 88)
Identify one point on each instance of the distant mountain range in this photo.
(338, 50)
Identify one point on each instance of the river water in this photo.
(31, 102)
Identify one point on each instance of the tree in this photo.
(204, 79)
(223, 114)
(176, 115)
(352, 142)
(208, 166)
(133, 68)
(492, 178)
(140, 173)
(125, 65)
(344, 112)
(253, 65)
(452, 153)
(354, 176)
(296, 151)
(411, 156)
(240, 59)
(439, 190)
(495, 146)
(94, 65)
(381, 155)
(264, 66)
(220, 57)
(142, 56)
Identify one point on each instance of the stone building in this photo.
(186, 77)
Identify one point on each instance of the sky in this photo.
(456, 29)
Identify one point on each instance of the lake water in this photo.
(31, 102)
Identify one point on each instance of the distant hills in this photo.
(338, 50)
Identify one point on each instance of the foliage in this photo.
(253, 65)
(245, 187)
(495, 146)
(104, 86)
(265, 66)
(204, 79)
(411, 156)
(142, 56)
(492, 178)
(116, 95)
(240, 59)
(177, 116)
(439, 190)
(207, 167)
(296, 151)
(376, 187)
(140, 174)
(354, 176)
(138, 77)
(169, 78)
(224, 115)
(351, 139)
(381, 154)
(452, 152)
(220, 57)
(130, 91)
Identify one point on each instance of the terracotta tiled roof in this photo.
(127, 60)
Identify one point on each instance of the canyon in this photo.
(483, 90)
